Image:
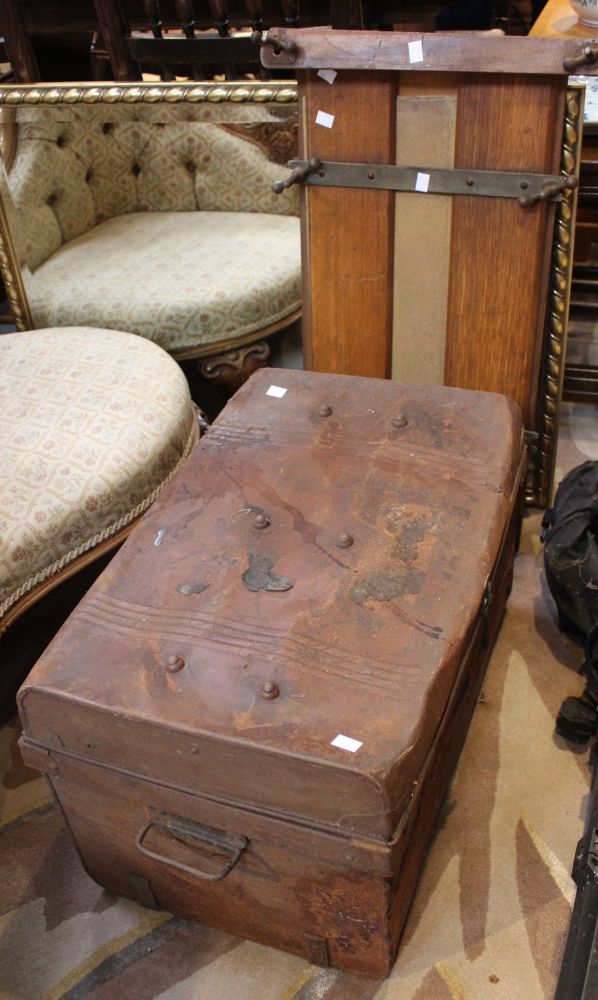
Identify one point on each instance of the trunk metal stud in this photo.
(174, 663)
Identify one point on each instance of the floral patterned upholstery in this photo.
(68, 176)
(92, 424)
(121, 275)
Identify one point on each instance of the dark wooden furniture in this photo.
(558, 19)
(72, 41)
(195, 48)
(449, 288)
(63, 40)
(227, 41)
(303, 652)
(51, 41)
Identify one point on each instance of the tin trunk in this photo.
(253, 716)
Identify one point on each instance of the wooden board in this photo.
(485, 330)
(348, 233)
(500, 252)
(443, 52)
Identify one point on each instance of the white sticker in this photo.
(323, 118)
(346, 743)
(327, 74)
(416, 51)
(422, 182)
(276, 390)
(159, 537)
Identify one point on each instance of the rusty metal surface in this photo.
(381, 508)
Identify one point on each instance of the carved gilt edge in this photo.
(555, 334)
(11, 276)
(283, 92)
(8, 136)
(279, 141)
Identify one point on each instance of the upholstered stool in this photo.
(93, 424)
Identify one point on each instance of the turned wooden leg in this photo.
(232, 368)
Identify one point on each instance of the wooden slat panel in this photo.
(443, 52)
(348, 233)
(426, 128)
(500, 252)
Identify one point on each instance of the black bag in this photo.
(571, 560)
(570, 535)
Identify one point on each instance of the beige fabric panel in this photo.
(426, 126)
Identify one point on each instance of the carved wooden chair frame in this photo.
(228, 362)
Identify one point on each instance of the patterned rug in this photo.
(492, 908)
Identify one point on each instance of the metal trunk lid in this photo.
(314, 571)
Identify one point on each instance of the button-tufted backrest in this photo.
(68, 177)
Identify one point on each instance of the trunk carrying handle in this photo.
(184, 831)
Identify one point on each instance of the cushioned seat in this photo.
(133, 218)
(121, 274)
(93, 423)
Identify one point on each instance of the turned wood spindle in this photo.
(186, 16)
(290, 9)
(255, 14)
(219, 10)
(152, 12)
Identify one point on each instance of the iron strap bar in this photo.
(527, 188)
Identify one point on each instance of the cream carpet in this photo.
(492, 908)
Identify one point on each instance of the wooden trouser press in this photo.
(433, 168)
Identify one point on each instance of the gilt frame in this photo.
(540, 480)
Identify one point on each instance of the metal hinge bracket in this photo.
(525, 188)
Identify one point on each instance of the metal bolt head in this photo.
(261, 521)
(174, 663)
(269, 690)
(400, 421)
(344, 541)
(325, 410)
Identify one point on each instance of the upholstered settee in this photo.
(165, 229)
(93, 424)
